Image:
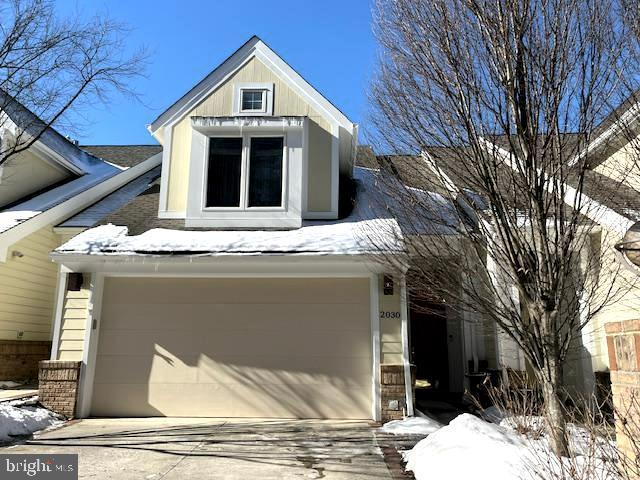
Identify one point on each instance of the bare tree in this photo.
(51, 65)
(495, 103)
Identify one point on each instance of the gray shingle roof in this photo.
(92, 215)
(123, 155)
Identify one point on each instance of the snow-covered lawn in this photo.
(24, 417)
(470, 447)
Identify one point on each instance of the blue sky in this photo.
(329, 42)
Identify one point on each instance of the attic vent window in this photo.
(253, 100)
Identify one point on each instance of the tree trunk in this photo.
(551, 383)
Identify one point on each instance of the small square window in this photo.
(253, 100)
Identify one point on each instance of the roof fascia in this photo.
(613, 130)
(41, 150)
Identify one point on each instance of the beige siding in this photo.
(285, 102)
(622, 165)
(27, 287)
(74, 321)
(390, 328)
(234, 347)
(24, 174)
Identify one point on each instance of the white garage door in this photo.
(284, 348)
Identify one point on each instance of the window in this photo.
(223, 175)
(253, 100)
(265, 172)
(229, 164)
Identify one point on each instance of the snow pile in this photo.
(493, 452)
(412, 426)
(20, 418)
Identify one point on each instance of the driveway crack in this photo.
(185, 455)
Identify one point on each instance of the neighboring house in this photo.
(242, 283)
(612, 193)
(40, 186)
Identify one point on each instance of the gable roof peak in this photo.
(254, 47)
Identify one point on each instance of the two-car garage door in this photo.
(234, 347)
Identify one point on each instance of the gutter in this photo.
(74, 204)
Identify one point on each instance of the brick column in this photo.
(623, 342)
(392, 391)
(58, 386)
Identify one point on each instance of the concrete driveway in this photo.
(179, 448)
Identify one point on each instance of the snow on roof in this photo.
(96, 212)
(28, 209)
(370, 228)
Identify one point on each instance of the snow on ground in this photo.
(9, 384)
(20, 418)
(412, 426)
(497, 452)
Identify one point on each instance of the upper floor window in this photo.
(245, 172)
(253, 99)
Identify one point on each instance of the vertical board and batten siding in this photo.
(285, 102)
(27, 287)
(74, 322)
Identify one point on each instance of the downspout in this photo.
(408, 384)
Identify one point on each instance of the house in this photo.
(243, 282)
(44, 183)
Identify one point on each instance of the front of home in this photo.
(243, 282)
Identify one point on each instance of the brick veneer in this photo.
(392, 391)
(623, 342)
(58, 386)
(19, 358)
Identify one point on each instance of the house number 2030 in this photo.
(384, 314)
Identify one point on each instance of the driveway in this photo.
(179, 448)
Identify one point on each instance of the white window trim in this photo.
(289, 215)
(245, 168)
(267, 98)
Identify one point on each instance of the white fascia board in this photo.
(614, 129)
(74, 204)
(253, 48)
(593, 210)
(40, 149)
(222, 265)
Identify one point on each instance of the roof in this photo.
(93, 214)
(123, 155)
(135, 229)
(67, 153)
(252, 47)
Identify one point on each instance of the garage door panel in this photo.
(190, 291)
(221, 400)
(287, 351)
(232, 316)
